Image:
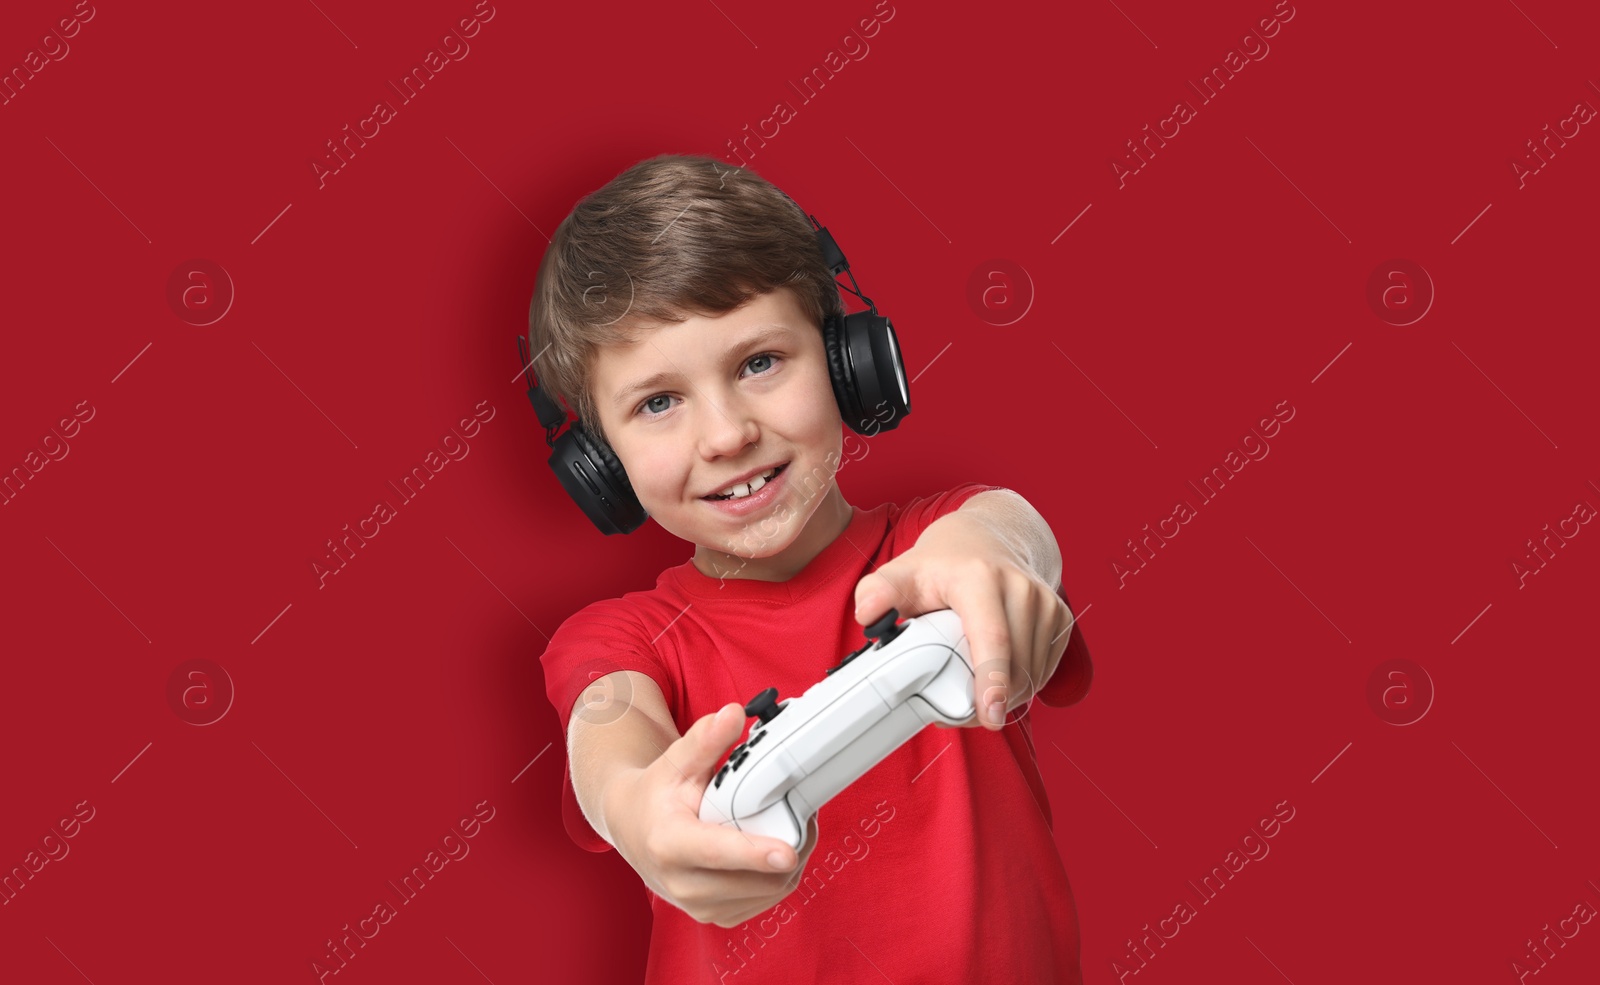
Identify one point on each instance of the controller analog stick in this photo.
(764, 706)
(884, 630)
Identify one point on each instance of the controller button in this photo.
(720, 774)
(764, 706)
(847, 658)
(755, 738)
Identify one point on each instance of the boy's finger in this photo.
(717, 846)
(985, 623)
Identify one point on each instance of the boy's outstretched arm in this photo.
(625, 738)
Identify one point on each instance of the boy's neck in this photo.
(833, 515)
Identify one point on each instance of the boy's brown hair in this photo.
(672, 237)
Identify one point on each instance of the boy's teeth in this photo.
(744, 489)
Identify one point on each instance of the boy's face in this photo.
(742, 391)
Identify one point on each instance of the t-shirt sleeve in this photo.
(1073, 673)
(915, 516)
(1070, 682)
(600, 639)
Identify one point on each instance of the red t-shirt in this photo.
(937, 865)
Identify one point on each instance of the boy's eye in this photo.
(649, 408)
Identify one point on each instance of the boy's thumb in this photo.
(710, 737)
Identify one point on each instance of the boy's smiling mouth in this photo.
(744, 490)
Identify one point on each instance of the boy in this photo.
(680, 309)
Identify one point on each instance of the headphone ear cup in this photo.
(839, 373)
(596, 481)
(869, 380)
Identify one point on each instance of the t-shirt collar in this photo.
(856, 545)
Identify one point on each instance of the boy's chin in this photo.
(751, 538)
(703, 525)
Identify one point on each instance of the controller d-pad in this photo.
(720, 774)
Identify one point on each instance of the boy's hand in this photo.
(715, 874)
(1016, 624)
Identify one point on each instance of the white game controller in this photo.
(804, 750)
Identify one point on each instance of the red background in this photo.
(1230, 274)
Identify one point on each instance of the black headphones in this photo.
(869, 383)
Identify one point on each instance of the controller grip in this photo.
(946, 700)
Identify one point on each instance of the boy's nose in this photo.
(726, 427)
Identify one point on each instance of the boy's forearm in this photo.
(600, 754)
(1016, 523)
